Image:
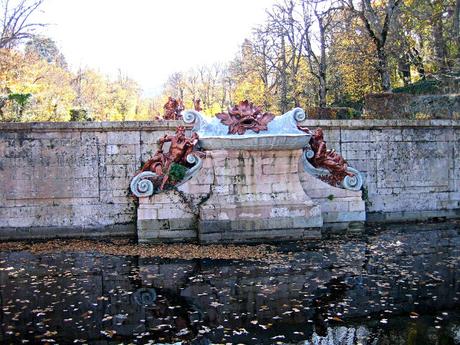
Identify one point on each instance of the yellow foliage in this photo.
(252, 90)
(55, 91)
(49, 85)
(353, 62)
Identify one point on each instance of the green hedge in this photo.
(421, 87)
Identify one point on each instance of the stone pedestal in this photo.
(256, 196)
(248, 196)
(340, 207)
(165, 218)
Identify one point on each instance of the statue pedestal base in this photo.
(257, 196)
(165, 217)
(248, 196)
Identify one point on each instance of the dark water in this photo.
(393, 286)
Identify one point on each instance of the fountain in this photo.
(243, 183)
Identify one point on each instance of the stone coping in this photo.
(373, 124)
(93, 126)
(172, 124)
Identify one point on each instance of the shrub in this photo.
(177, 172)
(79, 115)
(421, 87)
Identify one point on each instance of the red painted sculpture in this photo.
(197, 104)
(245, 116)
(327, 159)
(173, 109)
(179, 149)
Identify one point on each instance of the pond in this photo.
(392, 285)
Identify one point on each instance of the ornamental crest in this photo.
(245, 116)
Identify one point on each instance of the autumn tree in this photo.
(286, 43)
(316, 22)
(456, 31)
(103, 99)
(41, 90)
(351, 62)
(253, 73)
(46, 49)
(377, 19)
(175, 85)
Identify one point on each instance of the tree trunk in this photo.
(264, 75)
(322, 92)
(418, 62)
(404, 68)
(322, 66)
(378, 35)
(382, 68)
(284, 88)
(438, 38)
(456, 20)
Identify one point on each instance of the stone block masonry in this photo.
(232, 200)
(72, 179)
(411, 167)
(257, 195)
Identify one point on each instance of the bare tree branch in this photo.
(15, 22)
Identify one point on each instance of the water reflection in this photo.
(396, 286)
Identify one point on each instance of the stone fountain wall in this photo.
(238, 196)
(71, 179)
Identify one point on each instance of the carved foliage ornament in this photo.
(245, 116)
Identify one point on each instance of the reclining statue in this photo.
(327, 159)
(179, 149)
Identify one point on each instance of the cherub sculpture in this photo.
(197, 104)
(173, 109)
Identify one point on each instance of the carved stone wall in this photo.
(67, 179)
(257, 195)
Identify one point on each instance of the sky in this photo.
(148, 40)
